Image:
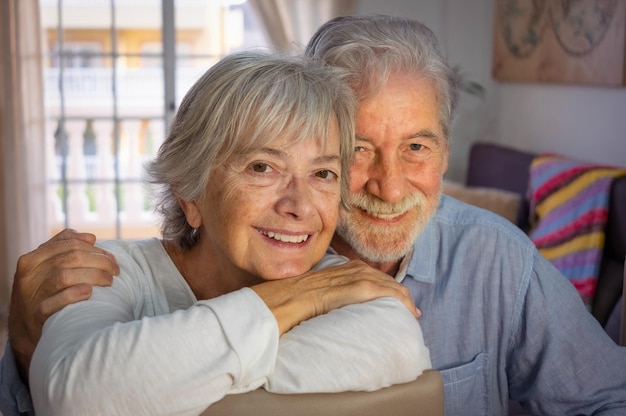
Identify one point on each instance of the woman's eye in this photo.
(359, 149)
(260, 167)
(325, 174)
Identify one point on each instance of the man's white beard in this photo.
(387, 242)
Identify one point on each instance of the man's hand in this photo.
(59, 272)
(314, 293)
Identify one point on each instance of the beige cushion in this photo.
(423, 396)
(504, 203)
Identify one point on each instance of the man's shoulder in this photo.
(457, 229)
(462, 237)
(453, 214)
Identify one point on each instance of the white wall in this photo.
(584, 122)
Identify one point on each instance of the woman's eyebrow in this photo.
(270, 151)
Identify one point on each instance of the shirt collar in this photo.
(421, 261)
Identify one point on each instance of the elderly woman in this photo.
(251, 178)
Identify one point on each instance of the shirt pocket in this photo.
(465, 388)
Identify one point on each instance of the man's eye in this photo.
(260, 167)
(416, 146)
(325, 174)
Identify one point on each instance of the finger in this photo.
(406, 298)
(63, 298)
(72, 254)
(80, 242)
(411, 308)
(63, 234)
(84, 258)
(363, 288)
(65, 252)
(69, 233)
(403, 294)
(66, 278)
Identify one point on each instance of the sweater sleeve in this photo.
(360, 347)
(95, 357)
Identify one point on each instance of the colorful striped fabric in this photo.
(569, 208)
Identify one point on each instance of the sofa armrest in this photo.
(494, 166)
(423, 396)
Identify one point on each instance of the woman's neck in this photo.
(207, 275)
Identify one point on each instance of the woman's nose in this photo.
(296, 198)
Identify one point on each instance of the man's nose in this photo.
(387, 179)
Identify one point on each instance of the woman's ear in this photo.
(192, 212)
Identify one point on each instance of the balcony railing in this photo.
(93, 88)
(95, 165)
(96, 184)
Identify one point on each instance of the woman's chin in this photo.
(285, 271)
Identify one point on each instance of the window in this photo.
(78, 55)
(115, 71)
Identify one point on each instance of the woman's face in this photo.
(272, 212)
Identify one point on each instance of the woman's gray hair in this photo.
(374, 47)
(243, 102)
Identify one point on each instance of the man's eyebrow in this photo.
(426, 134)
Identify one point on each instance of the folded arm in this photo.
(95, 357)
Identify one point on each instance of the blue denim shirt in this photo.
(501, 322)
(14, 394)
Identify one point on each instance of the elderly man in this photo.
(500, 321)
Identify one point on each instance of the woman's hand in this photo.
(314, 293)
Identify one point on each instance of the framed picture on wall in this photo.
(560, 41)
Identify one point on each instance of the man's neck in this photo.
(345, 249)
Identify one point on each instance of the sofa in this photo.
(423, 396)
(506, 171)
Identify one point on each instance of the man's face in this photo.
(395, 181)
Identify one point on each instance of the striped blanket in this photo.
(569, 208)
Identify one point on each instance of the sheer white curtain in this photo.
(290, 23)
(22, 170)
